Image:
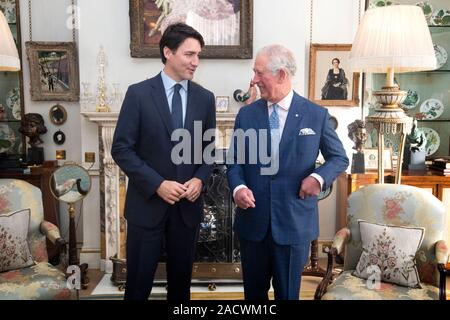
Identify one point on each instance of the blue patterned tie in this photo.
(177, 109)
(275, 134)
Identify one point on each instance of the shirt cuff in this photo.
(318, 178)
(241, 186)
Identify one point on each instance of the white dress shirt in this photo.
(283, 110)
(169, 85)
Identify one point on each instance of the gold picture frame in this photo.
(323, 83)
(57, 114)
(148, 18)
(53, 71)
(222, 104)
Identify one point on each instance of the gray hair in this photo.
(279, 58)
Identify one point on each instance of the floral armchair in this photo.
(40, 280)
(395, 205)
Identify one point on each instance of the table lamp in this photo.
(9, 57)
(392, 39)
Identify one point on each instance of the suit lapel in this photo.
(160, 100)
(190, 108)
(291, 126)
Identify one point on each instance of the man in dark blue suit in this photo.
(277, 214)
(163, 197)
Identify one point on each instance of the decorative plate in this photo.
(7, 138)
(412, 99)
(432, 109)
(427, 8)
(13, 98)
(441, 17)
(433, 140)
(9, 10)
(441, 55)
(16, 111)
(2, 112)
(389, 144)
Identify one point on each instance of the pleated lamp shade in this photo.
(9, 57)
(394, 37)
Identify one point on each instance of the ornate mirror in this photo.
(57, 114)
(71, 183)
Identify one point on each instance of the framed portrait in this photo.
(330, 81)
(222, 103)
(371, 159)
(57, 114)
(59, 137)
(53, 71)
(226, 26)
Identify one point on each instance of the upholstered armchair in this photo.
(394, 205)
(40, 280)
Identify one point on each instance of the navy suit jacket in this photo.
(142, 149)
(293, 220)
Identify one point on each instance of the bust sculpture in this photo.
(358, 134)
(32, 126)
(416, 140)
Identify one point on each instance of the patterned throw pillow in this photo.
(14, 249)
(388, 253)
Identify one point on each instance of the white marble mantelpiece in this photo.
(111, 238)
(225, 125)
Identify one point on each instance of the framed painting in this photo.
(371, 159)
(222, 103)
(330, 82)
(226, 26)
(53, 71)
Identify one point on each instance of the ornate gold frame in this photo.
(37, 94)
(243, 51)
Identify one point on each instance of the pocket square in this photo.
(306, 132)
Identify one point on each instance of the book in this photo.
(441, 170)
(441, 163)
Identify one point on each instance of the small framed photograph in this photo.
(53, 71)
(222, 103)
(371, 159)
(57, 114)
(330, 81)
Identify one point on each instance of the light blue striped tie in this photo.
(275, 134)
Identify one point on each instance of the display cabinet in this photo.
(428, 98)
(12, 142)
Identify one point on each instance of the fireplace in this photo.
(217, 254)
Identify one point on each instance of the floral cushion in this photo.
(349, 287)
(41, 281)
(14, 250)
(388, 253)
(19, 194)
(399, 205)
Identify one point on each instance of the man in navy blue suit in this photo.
(276, 214)
(163, 201)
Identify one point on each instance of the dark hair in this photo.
(339, 61)
(175, 35)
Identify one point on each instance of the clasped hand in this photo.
(172, 191)
(244, 198)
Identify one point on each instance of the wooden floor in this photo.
(309, 285)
